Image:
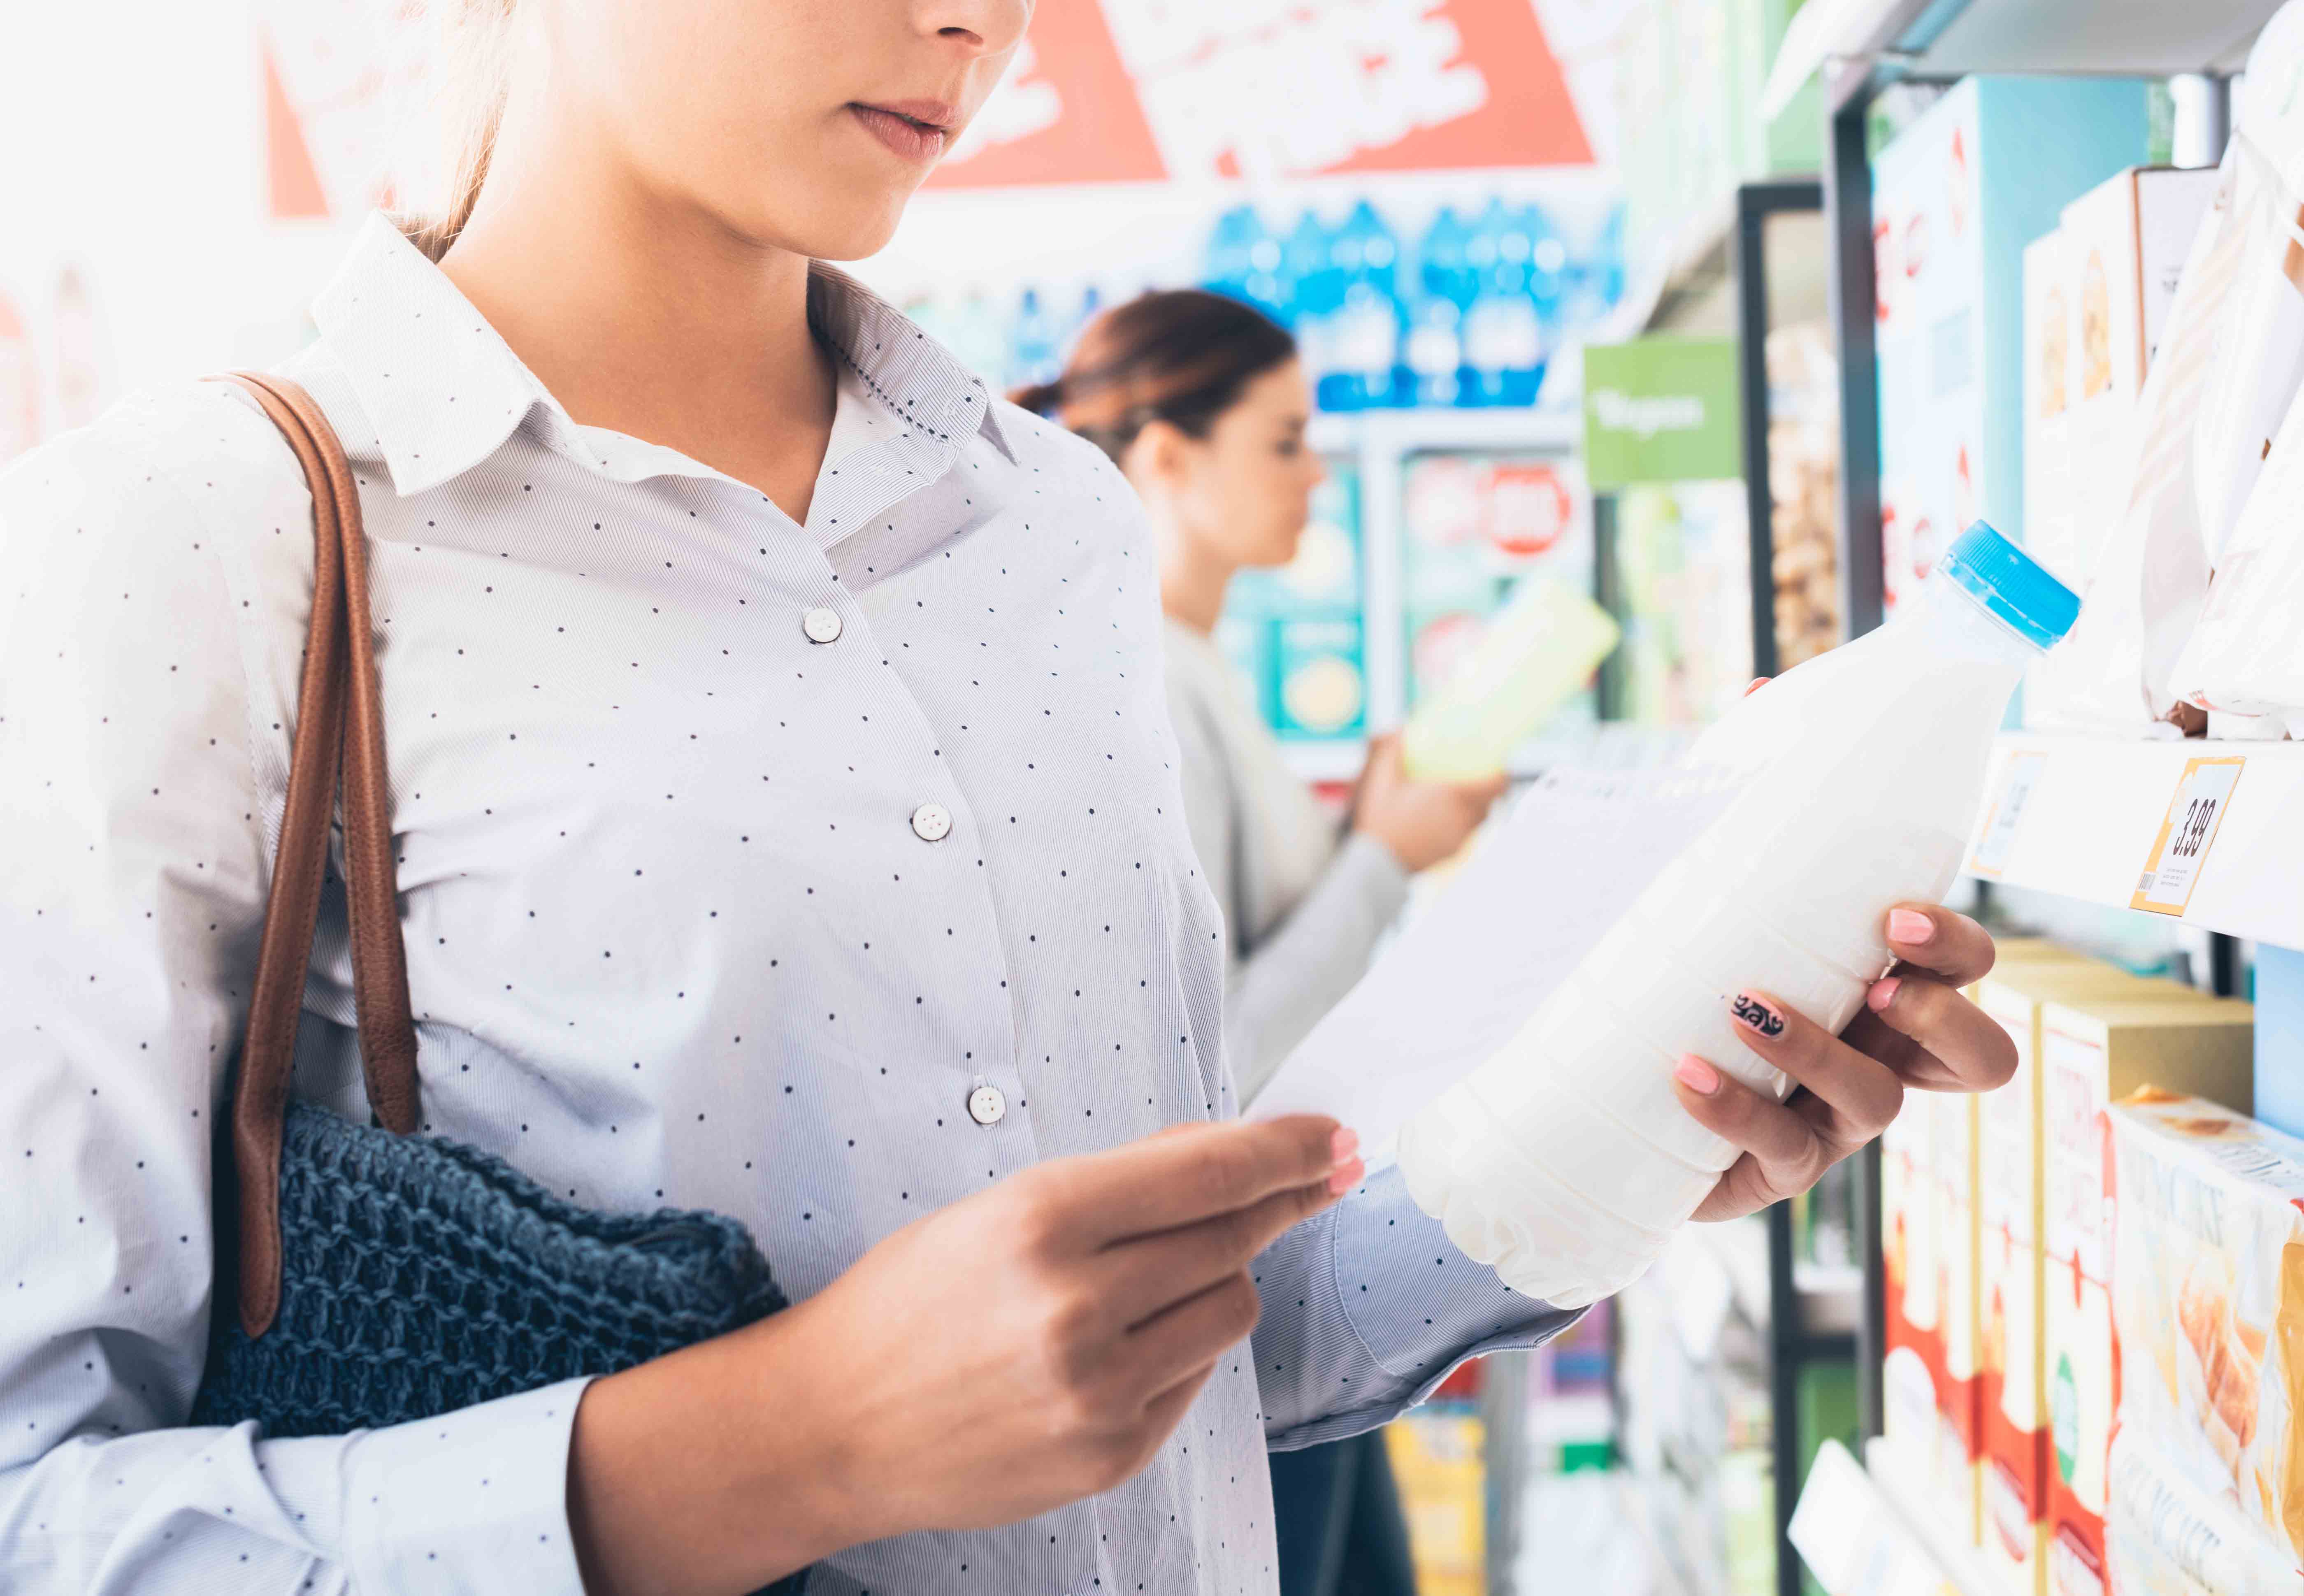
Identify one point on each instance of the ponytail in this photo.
(1041, 398)
(1177, 355)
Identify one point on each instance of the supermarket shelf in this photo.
(1860, 43)
(1335, 759)
(2095, 808)
(1827, 1279)
(1853, 1530)
(1695, 265)
(1400, 431)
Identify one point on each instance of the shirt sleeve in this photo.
(1275, 992)
(133, 869)
(1367, 1307)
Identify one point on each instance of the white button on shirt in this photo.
(822, 625)
(669, 941)
(986, 1105)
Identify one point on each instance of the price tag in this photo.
(2187, 832)
(1998, 834)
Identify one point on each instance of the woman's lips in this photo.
(911, 138)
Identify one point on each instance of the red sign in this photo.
(1145, 90)
(1529, 508)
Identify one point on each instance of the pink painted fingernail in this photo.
(1883, 993)
(1756, 1014)
(1909, 926)
(1697, 1075)
(1343, 1145)
(1346, 1175)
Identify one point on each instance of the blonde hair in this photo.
(474, 76)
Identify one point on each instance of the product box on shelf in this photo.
(2050, 536)
(2208, 1275)
(1293, 631)
(2124, 243)
(2166, 1537)
(1435, 1460)
(2012, 1391)
(1913, 1289)
(2094, 1051)
(1954, 1485)
(1956, 197)
(1323, 681)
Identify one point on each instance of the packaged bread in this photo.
(2209, 1302)
(2227, 362)
(2166, 1537)
(2093, 1051)
(2013, 1390)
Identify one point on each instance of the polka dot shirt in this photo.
(817, 875)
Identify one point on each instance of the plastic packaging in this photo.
(1566, 1161)
(2203, 421)
(1536, 654)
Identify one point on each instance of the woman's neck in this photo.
(1192, 582)
(642, 313)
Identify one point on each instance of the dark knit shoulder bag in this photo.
(381, 1276)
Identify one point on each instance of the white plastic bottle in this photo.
(1566, 1161)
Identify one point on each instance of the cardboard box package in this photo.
(2209, 1304)
(2166, 1538)
(1956, 196)
(2124, 243)
(1913, 1363)
(2050, 536)
(2092, 1052)
(1955, 1486)
(2012, 1397)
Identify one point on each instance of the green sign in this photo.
(1660, 409)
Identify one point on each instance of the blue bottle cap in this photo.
(2012, 585)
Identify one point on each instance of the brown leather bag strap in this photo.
(339, 723)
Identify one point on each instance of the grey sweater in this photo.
(1303, 903)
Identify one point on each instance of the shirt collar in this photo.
(443, 391)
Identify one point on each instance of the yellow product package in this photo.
(2093, 1051)
(1954, 1486)
(2208, 1296)
(2013, 1386)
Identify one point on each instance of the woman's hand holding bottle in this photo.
(1422, 822)
(1008, 1353)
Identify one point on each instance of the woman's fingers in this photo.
(1782, 1153)
(1138, 1277)
(1857, 1095)
(1757, 1123)
(1178, 1340)
(1166, 1181)
(1954, 1046)
(1948, 945)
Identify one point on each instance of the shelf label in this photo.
(1998, 834)
(2187, 832)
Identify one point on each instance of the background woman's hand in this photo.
(1915, 1030)
(1017, 1350)
(1422, 822)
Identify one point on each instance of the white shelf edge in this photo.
(2097, 808)
(1856, 1529)
(1810, 1279)
(2014, 36)
(1399, 431)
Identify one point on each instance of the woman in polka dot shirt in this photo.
(787, 824)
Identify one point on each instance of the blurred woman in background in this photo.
(1202, 402)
